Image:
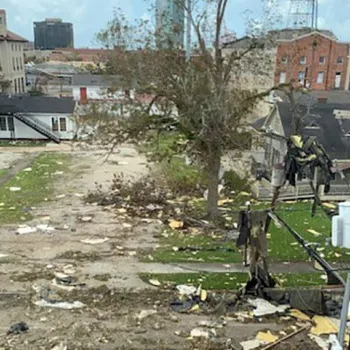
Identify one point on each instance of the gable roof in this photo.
(36, 104)
(329, 132)
(94, 80)
(10, 36)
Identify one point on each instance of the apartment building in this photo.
(12, 73)
(315, 59)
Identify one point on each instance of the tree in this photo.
(202, 99)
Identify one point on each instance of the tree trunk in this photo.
(213, 168)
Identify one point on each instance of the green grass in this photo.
(36, 186)
(233, 281)
(3, 172)
(24, 143)
(282, 246)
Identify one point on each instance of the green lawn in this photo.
(282, 246)
(3, 172)
(232, 281)
(24, 143)
(35, 186)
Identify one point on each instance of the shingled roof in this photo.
(12, 37)
(36, 104)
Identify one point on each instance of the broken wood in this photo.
(270, 346)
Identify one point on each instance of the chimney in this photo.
(3, 26)
(322, 100)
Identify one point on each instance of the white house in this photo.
(89, 87)
(37, 118)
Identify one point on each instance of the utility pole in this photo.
(188, 31)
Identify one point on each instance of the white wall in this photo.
(22, 131)
(98, 93)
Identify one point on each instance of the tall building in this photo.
(52, 34)
(170, 24)
(12, 73)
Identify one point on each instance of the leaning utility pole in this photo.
(188, 31)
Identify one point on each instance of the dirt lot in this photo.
(112, 293)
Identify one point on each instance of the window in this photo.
(17, 63)
(339, 60)
(3, 124)
(15, 85)
(284, 59)
(20, 87)
(22, 79)
(0, 20)
(14, 63)
(322, 60)
(303, 60)
(54, 123)
(63, 124)
(320, 77)
(282, 77)
(13, 47)
(21, 63)
(301, 76)
(10, 123)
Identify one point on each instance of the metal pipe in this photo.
(188, 31)
(344, 312)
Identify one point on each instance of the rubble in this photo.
(18, 328)
(60, 304)
(263, 307)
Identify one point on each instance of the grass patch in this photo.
(233, 281)
(282, 246)
(3, 172)
(36, 186)
(24, 143)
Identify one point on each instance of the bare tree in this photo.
(202, 99)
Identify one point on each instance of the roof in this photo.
(12, 37)
(277, 35)
(36, 104)
(94, 80)
(257, 125)
(329, 132)
(333, 97)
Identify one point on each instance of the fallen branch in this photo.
(270, 346)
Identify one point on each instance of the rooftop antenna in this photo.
(302, 14)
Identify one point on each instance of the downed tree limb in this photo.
(270, 346)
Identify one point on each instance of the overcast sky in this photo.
(89, 16)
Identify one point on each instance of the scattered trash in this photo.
(60, 196)
(45, 228)
(122, 163)
(263, 307)
(25, 229)
(94, 241)
(60, 304)
(155, 283)
(315, 233)
(175, 224)
(86, 218)
(18, 328)
(58, 173)
(79, 195)
(201, 333)
(324, 325)
(125, 225)
(323, 344)
(61, 346)
(266, 337)
(145, 313)
(250, 344)
(299, 315)
(329, 205)
(14, 189)
(27, 169)
(186, 290)
(3, 256)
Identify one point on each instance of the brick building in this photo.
(315, 59)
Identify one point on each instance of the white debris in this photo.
(86, 218)
(2, 204)
(60, 346)
(94, 241)
(14, 189)
(186, 290)
(62, 286)
(199, 333)
(25, 230)
(155, 283)
(45, 228)
(58, 173)
(123, 163)
(323, 344)
(145, 313)
(125, 225)
(3, 255)
(60, 304)
(27, 169)
(79, 195)
(263, 307)
(60, 196)
(251, 344)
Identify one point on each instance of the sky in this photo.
(90, 16)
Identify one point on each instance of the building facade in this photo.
(12, 72)
(316, 60)
(170, 24)
(53, 33)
